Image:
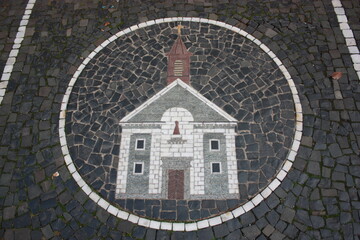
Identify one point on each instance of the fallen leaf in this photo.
(336, 75)
(106, 24)
(56, 174)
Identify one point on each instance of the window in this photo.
(140, 144)
(214, 145)
(178, 68)
(138, 168)
(215, 167)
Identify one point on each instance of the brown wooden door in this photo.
(176, 184)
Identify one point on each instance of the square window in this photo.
(140, 144)
(138, 168)
(214, 145)
(215, 167)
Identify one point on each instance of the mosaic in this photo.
(180, 122)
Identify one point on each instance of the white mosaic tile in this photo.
(265, 48)
(257, 42)
(166, 226)
(342, 18)
(344, 26)
(86, 189)
(336, 3)
(94, 197)
(299, 127)
(142, 25)
(243, 33)
(24, 22)
(272, 54)
(215, 221)
(266, 192)
(123, 215)
(203, 20)
(353, 49)
(258, 199)
(161, 20)
(133, 218)
(226, 216)
(68, 160)
(287, 166)
(274, 184)
(339, 10)
(277, 61)
(350, 41)
(248, 206)
(144, 222)
(238, 211)
(71, 167)
(113, 210)
(134, 27)
(250, 37)
(151, 22)
(3, 84)
(154, 224)
(191, 227)
(8, 68)
(348, 33)
(203, 224)
(292, 155)
(296, 145)
(178, 226)
(236, 29)
(355, 58)
(357, 66)
(281, 175)
(5, 77)
(14, 53)
(65, 150)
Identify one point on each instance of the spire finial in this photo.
(179, 27)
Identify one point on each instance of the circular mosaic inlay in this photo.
(180, 119)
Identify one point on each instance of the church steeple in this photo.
(178, 61)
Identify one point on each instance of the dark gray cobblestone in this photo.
(319, 198)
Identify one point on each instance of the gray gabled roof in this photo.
(178, 94)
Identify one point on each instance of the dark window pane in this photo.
(214, 145)
(216, 167)
(138, 168)
(140, 144)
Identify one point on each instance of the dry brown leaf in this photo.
(336, 75)
(106, 24)
(56, 174)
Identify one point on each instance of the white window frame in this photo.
(218, 145)
(142, 168)
(136, 144)
(211, 166)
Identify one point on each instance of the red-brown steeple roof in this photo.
(178, 62)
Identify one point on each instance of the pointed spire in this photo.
(179, 60)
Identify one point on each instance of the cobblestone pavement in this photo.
(39, 199)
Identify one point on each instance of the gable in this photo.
(181, 95)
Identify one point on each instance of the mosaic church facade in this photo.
(178, 144)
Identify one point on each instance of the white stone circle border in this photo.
(178, 226)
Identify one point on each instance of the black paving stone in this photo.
(205, 234)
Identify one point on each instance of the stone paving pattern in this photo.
(319, 198)
(112, 85)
